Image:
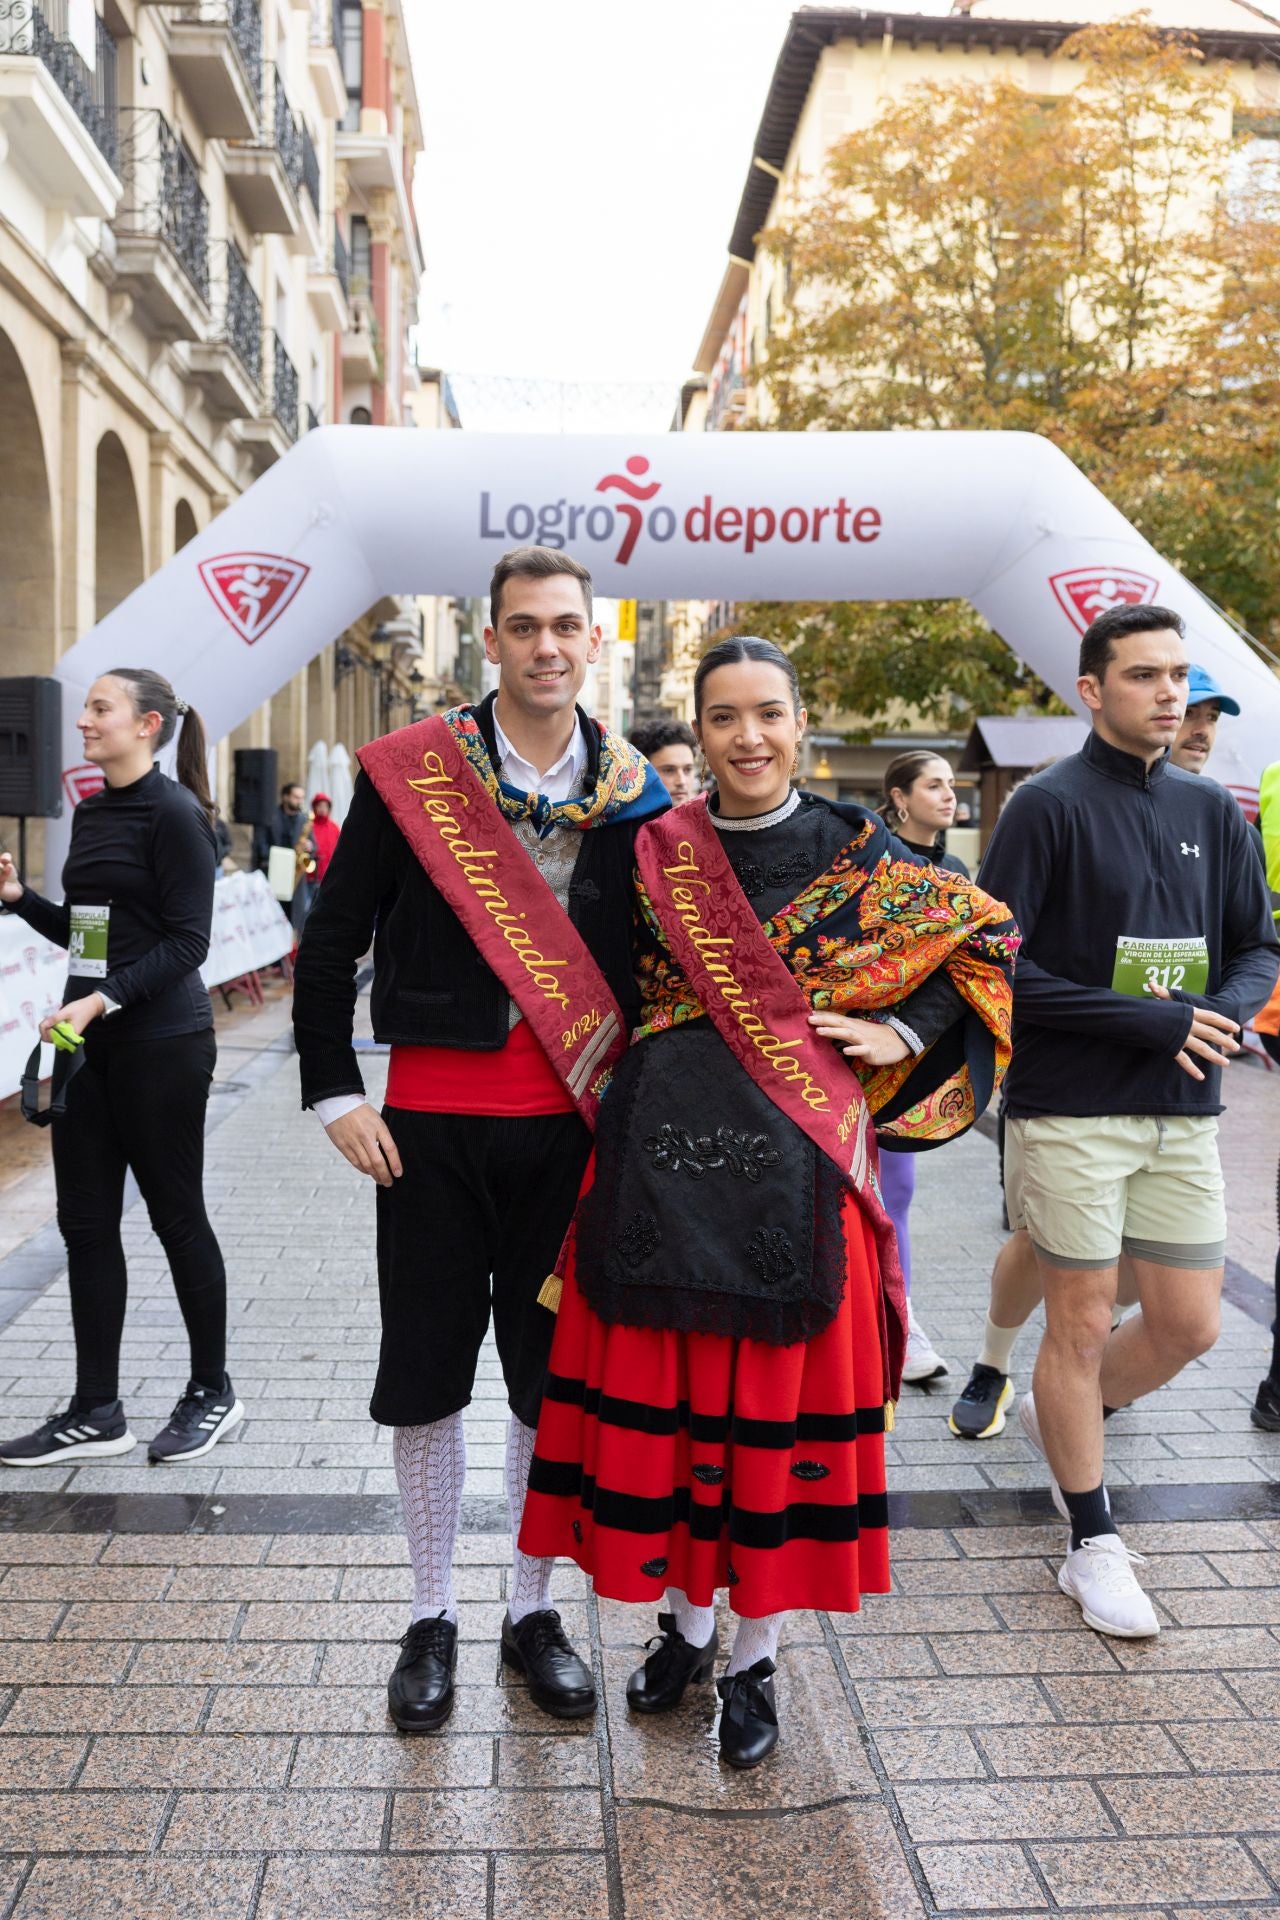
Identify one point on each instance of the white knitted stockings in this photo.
(530, 1588)
(431, 1466)
(755, 1640)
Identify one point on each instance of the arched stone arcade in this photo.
(119, 561)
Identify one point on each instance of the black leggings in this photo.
(138, 1107)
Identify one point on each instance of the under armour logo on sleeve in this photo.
(1187, 849)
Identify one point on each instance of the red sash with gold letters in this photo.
(760, 1012)
(474, 860)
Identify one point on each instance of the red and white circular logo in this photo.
(1085, 592)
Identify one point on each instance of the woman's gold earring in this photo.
(903, 815)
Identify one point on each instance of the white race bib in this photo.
(88, 945)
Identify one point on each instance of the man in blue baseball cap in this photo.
(1206, 704)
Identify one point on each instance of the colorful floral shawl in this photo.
(859, 938)
(626, 785)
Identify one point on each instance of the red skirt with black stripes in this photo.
(697, 1461)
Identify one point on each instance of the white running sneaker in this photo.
(1030, 1425)
(1098, 1575)
(921, 1362)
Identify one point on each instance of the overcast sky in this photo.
(583, 165)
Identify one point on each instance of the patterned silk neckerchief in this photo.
(626, 785)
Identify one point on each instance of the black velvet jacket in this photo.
(430, 986)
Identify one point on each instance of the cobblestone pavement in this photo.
(192, 1661)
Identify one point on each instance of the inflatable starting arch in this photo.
(350, 514)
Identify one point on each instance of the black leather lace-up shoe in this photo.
(749, 1716)
(559, 1682)
(673, 1665)
(420, 1690)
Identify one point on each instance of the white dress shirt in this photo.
(557, 783)
(559, 780)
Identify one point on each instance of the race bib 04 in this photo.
(88, 946)
(1181, 965)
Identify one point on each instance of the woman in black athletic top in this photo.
(138, 886)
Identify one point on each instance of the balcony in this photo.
(374, 163)
(162, 230)
(228, 363)
(269, 436)
(327, 287)
(57, 112)
(215, 50)
(324, 58)
(264, 174)
(361, 346)
(309, 240)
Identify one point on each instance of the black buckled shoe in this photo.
(749, 1716)
(559, 1682)
(420, 1690)
(673, 1665)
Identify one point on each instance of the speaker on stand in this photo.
(255, 794)
(30, 752)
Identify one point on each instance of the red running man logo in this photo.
(632, 516)
(1085, 592)
(252, 590)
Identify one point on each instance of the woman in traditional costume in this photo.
(731, 1314)
(918, 805)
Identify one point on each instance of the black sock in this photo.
(212, 1382)
(1090, 1514)
(83, 1403)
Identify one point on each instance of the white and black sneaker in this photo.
(81, 1433)
(200, 1419)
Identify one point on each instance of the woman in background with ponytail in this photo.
(918, 805)
(138, 885)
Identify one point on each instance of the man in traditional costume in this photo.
(732, 1318)
(487, 857)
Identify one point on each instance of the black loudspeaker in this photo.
(31, 747)
(256, 797)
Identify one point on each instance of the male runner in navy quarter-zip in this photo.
(1147, 943)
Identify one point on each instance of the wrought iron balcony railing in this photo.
(286, 131)
(39, 28)
(243, 22)
(284, 387)
(237, 309)
(243, 314)
(244, 17)
(326, 23)
(341, 261)
(310, 167)
(163, 193)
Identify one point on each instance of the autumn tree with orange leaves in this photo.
(1095, 267)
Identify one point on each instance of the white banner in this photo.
(249, 931)
(1003, 520)
(33, 972)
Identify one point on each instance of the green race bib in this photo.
(88, 946)
(1176, 964)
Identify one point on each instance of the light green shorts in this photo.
(1086, 1187)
